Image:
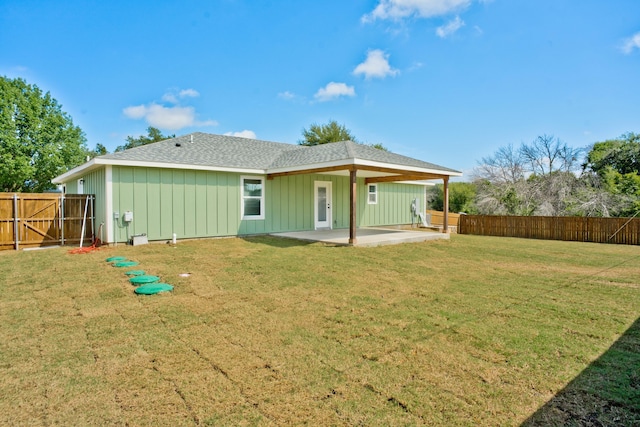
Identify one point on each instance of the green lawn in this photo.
(266, 331)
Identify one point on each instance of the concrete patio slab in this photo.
(370, 236)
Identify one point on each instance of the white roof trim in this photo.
(72, 173)
(97, 161)
(360, 162)
(405, 167)
(138, 163)
(93, 163)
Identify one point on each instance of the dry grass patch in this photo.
(266, 331)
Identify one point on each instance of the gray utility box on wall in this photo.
(139, 239)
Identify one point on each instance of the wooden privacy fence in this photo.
(437, 219)
(581, 229)
(33, 220)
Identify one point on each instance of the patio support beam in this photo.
(307, 171)
(445, 199)
(396, 174)
(352, 206)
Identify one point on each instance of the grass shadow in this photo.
(276, 241)
(606, 393)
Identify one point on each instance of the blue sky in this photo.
(446, 81)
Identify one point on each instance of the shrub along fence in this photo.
(581, 229)
(34, 220)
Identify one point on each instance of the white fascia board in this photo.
(77, 171)
(359, 162)
(182, 166)
(403, 168)
(96, 162)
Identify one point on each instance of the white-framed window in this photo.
(252, 197)
(372, 194)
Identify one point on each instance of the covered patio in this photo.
(367, 236)
(375, 166)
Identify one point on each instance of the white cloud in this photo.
(243, 134)
(174, 95)
(171, 118)
(189, 93)
(135, 112)
(450, 27)
(376, 65)
(631, 43)
(398, 9)
(286, 95)
(334, 90)
(416, 66)
(170, 97)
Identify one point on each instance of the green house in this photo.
(204, 185)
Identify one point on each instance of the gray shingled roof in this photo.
(207, 150)
(235, 152)
(348, 150)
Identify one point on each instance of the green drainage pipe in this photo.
(153, 288)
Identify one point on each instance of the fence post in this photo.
(93, 221)
(16, 228)
(62, 219)
(84, 220)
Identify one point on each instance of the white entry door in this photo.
(322, 205)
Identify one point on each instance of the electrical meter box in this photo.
(127, 216)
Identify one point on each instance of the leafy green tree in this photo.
(379, 146)
(100, 150)
(621, 155)
(38, 141)
(617, 163)
(324, 134)
(153, 135)
(331, 132)
(461, 197)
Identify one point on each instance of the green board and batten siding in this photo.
(185, 202)
(94, 183)
(196, 204)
